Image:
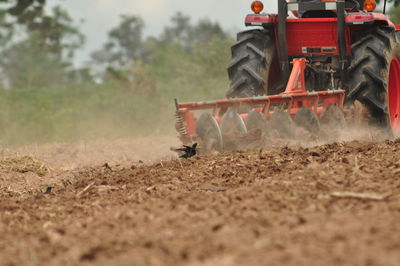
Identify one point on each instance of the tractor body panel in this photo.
(314, 36)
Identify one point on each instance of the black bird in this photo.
(48, 190)
(107, 166)
(187, 151)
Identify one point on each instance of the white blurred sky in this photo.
(99, 16)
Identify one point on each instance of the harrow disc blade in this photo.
(283, 123)
(332, 116)
(208, 131)
(256, 121)
(307, 119)
(232, 123)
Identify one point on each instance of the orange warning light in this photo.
(258, 6)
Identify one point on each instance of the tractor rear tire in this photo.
(252, 55)
(373, 76)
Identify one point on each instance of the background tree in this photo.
(41, 56)
(178, 32)
(394, 14)
(32, 15)
(124, 45)
(182, 32)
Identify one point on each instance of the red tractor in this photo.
(327, 53)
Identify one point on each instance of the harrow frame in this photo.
(293, 98)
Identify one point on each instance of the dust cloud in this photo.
(67, 156)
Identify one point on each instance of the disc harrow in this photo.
(238, 116)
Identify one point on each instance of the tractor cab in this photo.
(320, 12)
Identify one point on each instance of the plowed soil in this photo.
(281, 206)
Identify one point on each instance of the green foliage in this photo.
(192, 76)
(395, 2)
(42, 58)
(59, 35)
(182, 32)
(394, 14)
(19, 7)
(50, 101)
(184, 60)
(68, 113)
(53, 28)
(124, 45)
(25, 65)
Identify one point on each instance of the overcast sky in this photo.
(101, 15)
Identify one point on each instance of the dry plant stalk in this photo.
(84, 190)
(362, 196)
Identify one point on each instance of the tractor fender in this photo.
(264, 20)
(357, 18)
(379, 17)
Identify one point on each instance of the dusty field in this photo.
(283, 206)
